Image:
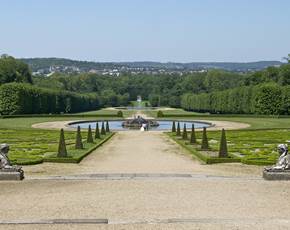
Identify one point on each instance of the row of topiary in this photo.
(62, 151)
(223, 155)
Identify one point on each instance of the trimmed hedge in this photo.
(18, 98)
(267, 99)
(257, 161)
(27, 161)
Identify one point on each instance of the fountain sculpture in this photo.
(138, 122)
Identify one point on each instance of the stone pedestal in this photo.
(276, 175)
(11, 175)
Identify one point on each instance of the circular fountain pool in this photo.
(163, 125)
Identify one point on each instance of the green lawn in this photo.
(107, 112)
(141, 104)
(172, 112)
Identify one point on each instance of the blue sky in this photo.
(152, 30)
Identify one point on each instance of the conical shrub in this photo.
(103, 131)
(120, 113)
(79, 142)
(223, 152)
(61, 146)
(107, 127)
(204, 143)
(173, 129)
(184, 133)
(97, 132)
(178, 133)
(192, 136)
(90, 135)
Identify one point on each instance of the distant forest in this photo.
(215, 91)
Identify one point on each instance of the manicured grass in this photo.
(32, 146)
(173, 112)
(256, 147)
(107, 112)
(142, 103)
(100, 112)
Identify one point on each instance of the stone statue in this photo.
(4, 160)
(283, 163)
(5, 164)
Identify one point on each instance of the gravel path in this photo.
(221, 196)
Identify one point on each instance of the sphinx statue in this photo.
(283, 162)
(5, 164)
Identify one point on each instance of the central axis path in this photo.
(137, 152)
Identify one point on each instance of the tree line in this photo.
(214, 91)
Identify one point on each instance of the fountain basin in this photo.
(163, 125)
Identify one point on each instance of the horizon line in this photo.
(162, 62)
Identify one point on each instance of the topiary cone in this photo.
(223, 152)
(97, 133)
(90, 135)
(192, 136)
(173, 129)
(103, 131)
(107, 127)
(178, 133)
(204, 144)
(79, 143)
(184, 133)
(61, 146)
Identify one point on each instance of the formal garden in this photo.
(259, 99)
(254, 145)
